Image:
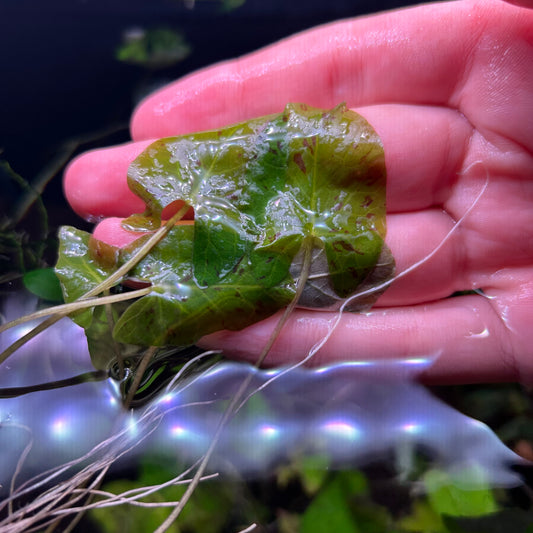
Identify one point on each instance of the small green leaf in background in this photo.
(215, 507)
(330, 509)
(423, 519)
(310, 470)
(230, 5)
(447, 498)
(44, 283)
(153, 48)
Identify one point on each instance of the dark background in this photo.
(60, 81)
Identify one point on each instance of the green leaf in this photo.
(423, 518)
(103, 348)
(447, 498)
(330, 510)
(261, 191)
(179, 311)
(229, 5)
(77, 270)
(213, 508)
(310, 470)
(153, 48)
(43, 283)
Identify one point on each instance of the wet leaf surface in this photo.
(262, 191)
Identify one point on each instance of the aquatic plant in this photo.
(292, 198)
(288, 210)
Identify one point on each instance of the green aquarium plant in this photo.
(287, 208)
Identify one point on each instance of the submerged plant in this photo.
(291, 199)
(22, 245)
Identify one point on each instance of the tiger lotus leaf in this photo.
(263, 192)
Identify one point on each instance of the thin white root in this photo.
(251, 527)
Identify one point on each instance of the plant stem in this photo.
(139, 371)
(66, 309)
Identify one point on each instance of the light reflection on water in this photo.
(350, 413)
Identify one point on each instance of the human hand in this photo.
(449, 88)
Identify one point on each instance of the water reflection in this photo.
(350, 413)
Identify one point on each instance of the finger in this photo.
(463, 333)
(424, 148)
(96, 186)
(441, 54)
(111, 231)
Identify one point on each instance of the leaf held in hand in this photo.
(260, 190)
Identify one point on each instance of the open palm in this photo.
(449, 88)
